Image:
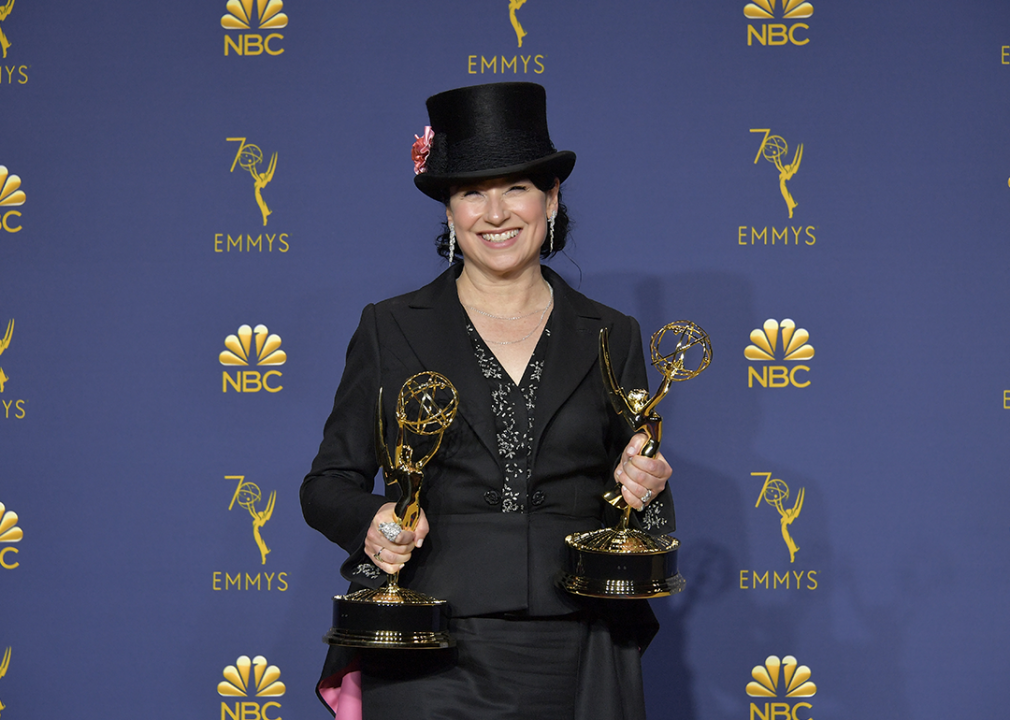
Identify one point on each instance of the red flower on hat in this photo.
(419, 153)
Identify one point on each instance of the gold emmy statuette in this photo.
(392, 616)
(623, 562)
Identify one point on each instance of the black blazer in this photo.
(478, 558)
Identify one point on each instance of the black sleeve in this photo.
(336, 495)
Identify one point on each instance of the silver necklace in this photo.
(535, 327)
(516, 317)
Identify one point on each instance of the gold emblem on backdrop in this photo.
(9, 533)
(250, 157)
(255, 677)
(773, 149)
(500, 64)
(11, 196)
(246, 495)
(520, 32)
(765, 339)
(5, 663)
(765, 9)
(795, 679)
(11, 408)
(5, 342)
(240, 347)
(777, 33)
(250, 15)
(242, 352)
(766, 346)
(251, 678)
(9, 530)
(268, 15)
(775, 492)
(4, 12)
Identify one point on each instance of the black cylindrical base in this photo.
(628, 574)
(419, 624)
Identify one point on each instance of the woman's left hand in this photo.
(641, 477)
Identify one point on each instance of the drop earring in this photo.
(452, 242)
(550, 223)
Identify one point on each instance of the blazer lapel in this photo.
(432, 322)
(571, 353)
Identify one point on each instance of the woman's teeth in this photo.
(500, 237)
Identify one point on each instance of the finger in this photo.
(391, 557)
(388, 568)
(635, 486)
(632, 499)
(421, 531)
(630, 451)
(649, 471)
(404, 540)
(386, 513)
(636, 442)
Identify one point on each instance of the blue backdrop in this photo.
(135, 245)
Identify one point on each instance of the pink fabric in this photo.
(344, 699)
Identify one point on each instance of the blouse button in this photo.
(492, 497)
(538, 498)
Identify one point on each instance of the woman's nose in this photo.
(497, 210)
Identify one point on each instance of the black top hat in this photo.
(487, 131)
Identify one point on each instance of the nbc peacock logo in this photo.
(250, 678)
(250, 15)
(778, 33)
(778, 340)
(252, 346)
(9, 533)
(11, 196)
(791, 9)
(783, 678)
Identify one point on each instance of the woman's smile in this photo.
(499, 237)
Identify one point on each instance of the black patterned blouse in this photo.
(513, 407)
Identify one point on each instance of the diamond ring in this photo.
(391, 530)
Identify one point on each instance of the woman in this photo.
(532, 450)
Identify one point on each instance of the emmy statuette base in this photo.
(621, 564)
(391, 618)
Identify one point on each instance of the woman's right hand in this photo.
(391, 555)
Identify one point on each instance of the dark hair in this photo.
(561, 224)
